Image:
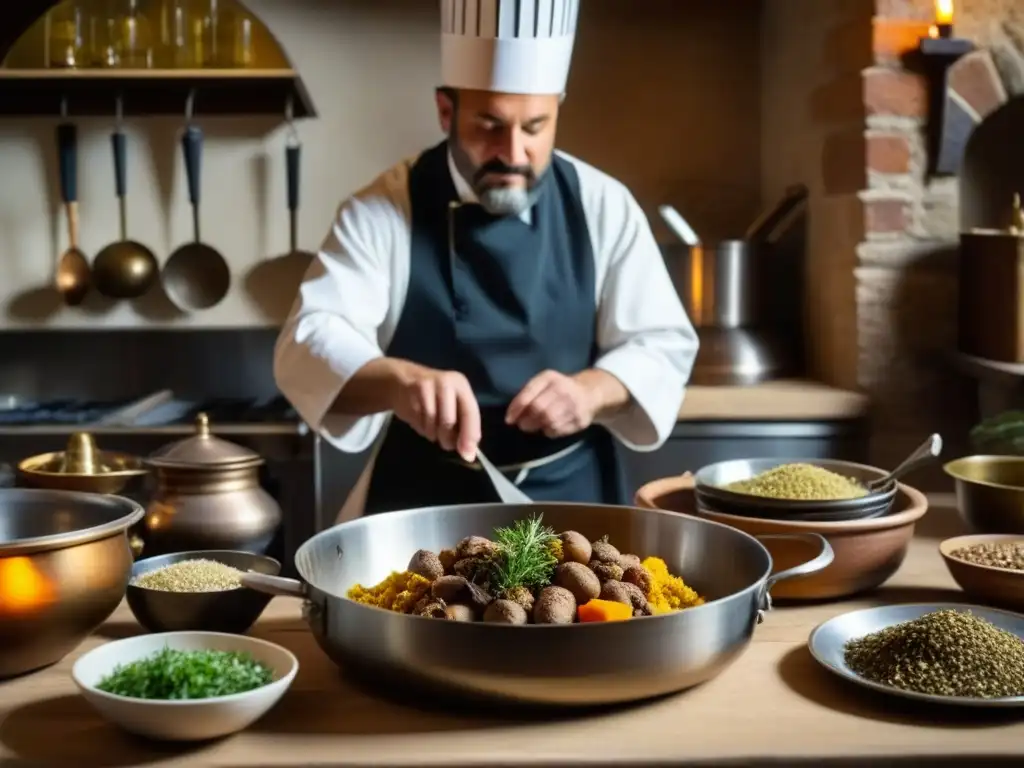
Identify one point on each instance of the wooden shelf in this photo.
(94, 92)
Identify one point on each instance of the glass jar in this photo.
(67, 36)
(135, 50)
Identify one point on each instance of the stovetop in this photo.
(225, 411)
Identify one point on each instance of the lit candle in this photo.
(944, 17)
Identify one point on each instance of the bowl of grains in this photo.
(198, 591)
(821, 490)
(989, 567)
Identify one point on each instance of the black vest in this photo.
(499, 300)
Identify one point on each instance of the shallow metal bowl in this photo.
(709, 483)
(64, 566)
(564, 665)
(44, 471)
(990, 492)
(233, 610)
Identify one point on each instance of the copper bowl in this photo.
(990, 492)
(1003, 587)
(867, 552)
(64, 567)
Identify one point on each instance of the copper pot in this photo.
(64, 568)
(208, 496)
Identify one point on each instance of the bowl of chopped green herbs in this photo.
(185, 686)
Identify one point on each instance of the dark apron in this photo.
(500, 301)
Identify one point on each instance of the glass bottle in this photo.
(105, 36)
(67, 41)
(179, 46)
(136, 46)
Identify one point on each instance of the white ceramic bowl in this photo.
(189, 720)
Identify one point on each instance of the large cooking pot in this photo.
(568, 665)
(208, 496)
(64, 567)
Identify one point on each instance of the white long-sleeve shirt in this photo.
(351, 299)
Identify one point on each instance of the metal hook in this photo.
(119, 113)
(289, 117)
(63, 107)
(190, 105)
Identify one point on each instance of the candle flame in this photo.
(25, 588)
(944, 11)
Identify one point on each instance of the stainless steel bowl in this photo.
(234, 610)
(64, 566)
(567, 665)
(710, 482)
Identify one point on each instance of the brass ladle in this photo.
(73, 276)
(124, 269)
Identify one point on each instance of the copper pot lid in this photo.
(203, 450)
(82, 458)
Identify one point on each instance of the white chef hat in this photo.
(508, 46)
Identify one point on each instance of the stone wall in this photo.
(906, 264)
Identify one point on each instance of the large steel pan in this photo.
(570, 665)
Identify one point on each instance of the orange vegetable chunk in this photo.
(604, 610)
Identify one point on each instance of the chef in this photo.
(492, 295)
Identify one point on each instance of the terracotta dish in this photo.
(1002, 587)
(867, 552)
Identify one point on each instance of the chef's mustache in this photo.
(498, 167)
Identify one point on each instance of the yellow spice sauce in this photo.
(668, 593)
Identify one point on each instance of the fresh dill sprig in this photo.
(525, 556)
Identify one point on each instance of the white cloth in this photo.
(351, 299)
(510, 46)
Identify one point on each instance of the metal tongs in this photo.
(508, 492)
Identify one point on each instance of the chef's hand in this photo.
(555, 404)
(440, 406)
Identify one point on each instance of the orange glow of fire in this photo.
(933, 32)
(943, 11)
(23, 587)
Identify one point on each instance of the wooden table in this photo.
(774, 704)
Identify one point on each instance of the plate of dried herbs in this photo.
(945, 653)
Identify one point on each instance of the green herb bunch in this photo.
(525, 556)
(170, 674)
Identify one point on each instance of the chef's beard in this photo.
(496, 199)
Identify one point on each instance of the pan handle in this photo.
(293, 162)
(819, 563)
(67, 148)
(293, 157)
(192, 146)
(273, 585)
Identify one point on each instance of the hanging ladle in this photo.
(125, 269)
(924, 453)
(72, 275)
(196, 276)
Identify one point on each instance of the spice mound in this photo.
(1002, 554)
(170, 674)
(528, 574)
(800, 482)
(945, 653)
(191, 576)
